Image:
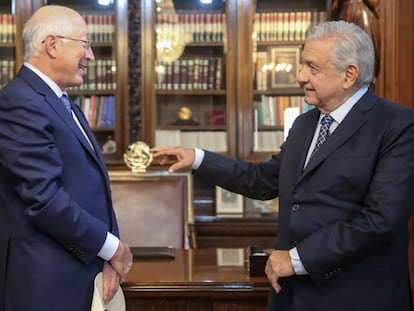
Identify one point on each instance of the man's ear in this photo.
(50, 45)
(351, 74)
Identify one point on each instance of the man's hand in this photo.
(111, 281)
(279, 264)
(184, 156)
(121, 262)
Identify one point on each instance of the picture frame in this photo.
(228, 202)
(284, 66)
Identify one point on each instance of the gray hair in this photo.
(37, 29)
(352, 46)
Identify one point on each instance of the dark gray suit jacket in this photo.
(346, 212)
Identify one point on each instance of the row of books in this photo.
(8, 28)
(190, 74)
(212, 140)
(269, 110)
(7, 71)
(197, 27)
(98, 110)
(267, 141)
(285, 26)
(100, 76)
(101, 27)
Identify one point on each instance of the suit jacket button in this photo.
(295, 207)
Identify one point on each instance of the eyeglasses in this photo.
(87, 43)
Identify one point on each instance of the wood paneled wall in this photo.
(396, 79)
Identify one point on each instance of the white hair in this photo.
(352, 46)
(37, 27)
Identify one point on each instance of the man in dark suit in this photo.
(343, 211)
(54, 187)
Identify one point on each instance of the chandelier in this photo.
(170, 34)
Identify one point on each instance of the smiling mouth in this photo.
(82, 67)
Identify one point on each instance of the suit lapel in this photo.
(84, 123)
(55, 103)
(58, 106)
(355, 119)
(301, 140)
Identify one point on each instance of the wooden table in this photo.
(200, 279)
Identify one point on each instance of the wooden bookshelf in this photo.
(106, 76)
(133, 50)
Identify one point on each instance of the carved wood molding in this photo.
(169, 304)
(134, 74)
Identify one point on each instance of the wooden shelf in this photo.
(213, 231)
(193, 92)
(115, 50)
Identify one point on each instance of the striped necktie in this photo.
(323, 132)
(65, 99)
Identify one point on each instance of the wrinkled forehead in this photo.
(319, 49)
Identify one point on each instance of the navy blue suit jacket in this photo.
(346, 212)
(55, 195)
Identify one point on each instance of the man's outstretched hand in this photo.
(184, 157)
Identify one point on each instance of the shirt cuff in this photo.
(109, 248)
(296, 262)
(199, 157)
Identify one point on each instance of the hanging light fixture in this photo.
(170, 34)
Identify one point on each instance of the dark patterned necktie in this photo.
(65, 99)
(323, 132)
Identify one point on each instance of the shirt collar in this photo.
(55, 88)
(340, 113)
